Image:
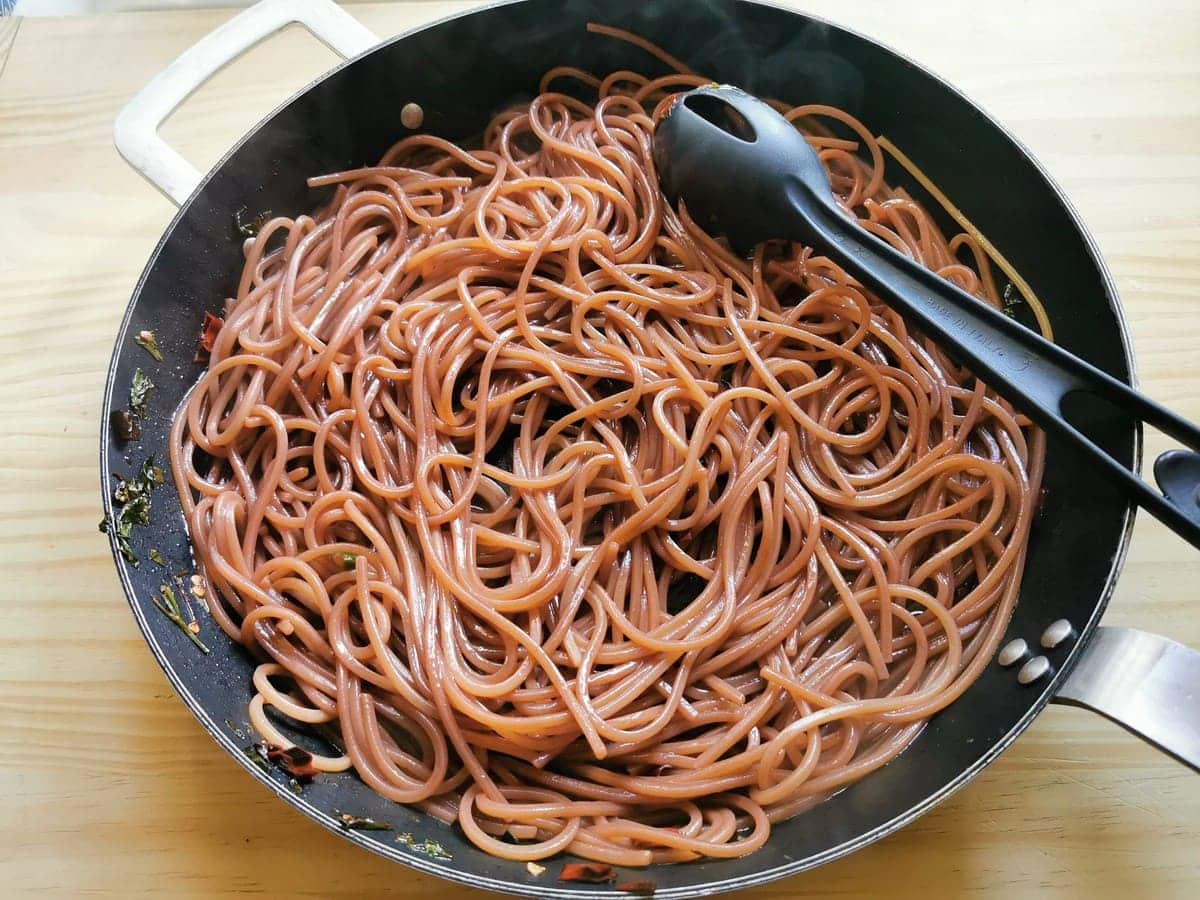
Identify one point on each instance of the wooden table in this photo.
(108, 784)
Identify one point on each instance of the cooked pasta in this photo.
(572, 525)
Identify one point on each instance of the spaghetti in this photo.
(577, 528)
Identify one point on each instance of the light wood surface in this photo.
(107, 785)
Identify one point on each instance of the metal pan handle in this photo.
(1145, 683)
(136, 128)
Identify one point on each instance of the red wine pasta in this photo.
(576, 527)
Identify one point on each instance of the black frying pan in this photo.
(461, 71)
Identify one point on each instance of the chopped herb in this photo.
(150, 473)
(193, 625)
(121, 529)
(125, 425)
(132, 496)
(139, 392)
(137, 509)
(249, 229)
(643, 886)
(157, 558)
(136, 500)
(361, 823)
(589, 873)
(1011, 299)
(295, 786)
(208, 334)
(428, 847)
(432, 849)
(256, 753)
(169, 607)
(534, 869)
(124, 490)
(148, 342)
(296, 761)
(348, 561)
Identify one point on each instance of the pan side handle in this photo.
(1145, 683)
(136, 130)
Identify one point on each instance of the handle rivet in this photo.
(1012, 651)
(1033, 670)
(1056, 633)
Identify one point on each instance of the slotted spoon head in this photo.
(740, 168)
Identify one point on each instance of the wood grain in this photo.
(109, 786)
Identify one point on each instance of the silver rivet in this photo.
(1056, 633)
(1033, 670)
(1012, 651)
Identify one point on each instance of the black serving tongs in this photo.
(745, 171)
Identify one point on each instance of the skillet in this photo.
(463, 69)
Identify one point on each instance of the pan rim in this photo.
(786, 869)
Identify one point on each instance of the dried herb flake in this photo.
(256, 753)
(140, 389)
(169, 607)
(132, 497)
(148, 342)
(361, 823)
(150, 473)
(157, 558)
(122, 530)
(427, 847)
(249, 228)
(348, 561)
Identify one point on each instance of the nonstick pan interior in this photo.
(461, 71)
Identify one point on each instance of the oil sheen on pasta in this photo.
(578, 528)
